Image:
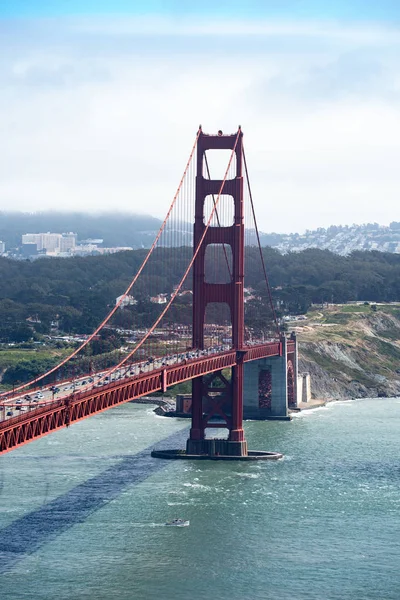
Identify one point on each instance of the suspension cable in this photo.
(259, 245)
(118, 304)
(177, 290)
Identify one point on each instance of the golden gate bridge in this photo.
(194, 304)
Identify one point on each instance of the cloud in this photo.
(44, 73)
(101, 114)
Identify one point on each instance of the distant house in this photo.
(126, 301)
(34, 319)
(159, 299)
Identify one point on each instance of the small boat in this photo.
(178, 523)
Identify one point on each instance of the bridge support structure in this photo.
(230, 411)
(218, 406)
(270, 387)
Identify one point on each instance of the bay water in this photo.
(83, 511)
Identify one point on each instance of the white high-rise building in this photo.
(52, 243)
(68, 242)
(32, 238)
(2, 247)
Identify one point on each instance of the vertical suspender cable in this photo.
(259, 246)
(108, 317)
(143, 340)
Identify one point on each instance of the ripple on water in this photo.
(86, 519)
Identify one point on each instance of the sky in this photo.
(100, 102)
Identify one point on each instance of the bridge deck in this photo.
(64, 411)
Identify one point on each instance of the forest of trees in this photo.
(79, 292)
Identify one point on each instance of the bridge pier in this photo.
(215, 447)
(219, 404)
(270, 385)
(214, 407)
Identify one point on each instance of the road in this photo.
(28, 400)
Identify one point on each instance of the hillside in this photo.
(79, 291)
(338, 238)
(351, 351)
(116, 229)
(139, 231)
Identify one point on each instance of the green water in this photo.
(83, 511)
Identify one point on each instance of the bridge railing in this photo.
(34, 413)
(163, 377)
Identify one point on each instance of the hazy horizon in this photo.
(123, 214)
(101, 102)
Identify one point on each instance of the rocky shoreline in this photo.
(351, 354)
(349, 351)
(164, 405)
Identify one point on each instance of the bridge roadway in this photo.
(75, 406)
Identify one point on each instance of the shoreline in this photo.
(166, 408)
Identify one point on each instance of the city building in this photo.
(159, 299)
(2, 247)
(96, 241)
(28, 250)
(50, 243)
(126, 301)
(68, 242)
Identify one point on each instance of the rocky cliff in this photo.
(351, 351)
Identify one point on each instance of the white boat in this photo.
(178, 523)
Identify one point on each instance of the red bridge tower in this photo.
(227, 405)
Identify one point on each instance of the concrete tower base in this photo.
(216, 447)
(182, 454)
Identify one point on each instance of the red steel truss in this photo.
(38, 422)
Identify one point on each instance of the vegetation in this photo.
(351, 354)
(73, 295)
(24, 362)
(78, 292)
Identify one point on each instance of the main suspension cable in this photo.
(129, 288)
(259, 245)
(177, 290)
